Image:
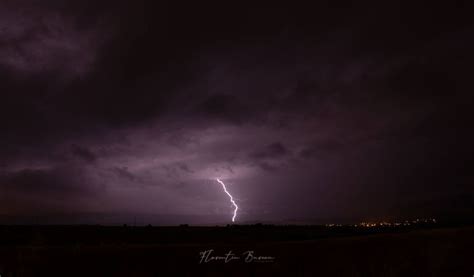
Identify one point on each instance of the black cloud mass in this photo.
(308, 112)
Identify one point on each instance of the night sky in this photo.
(131, 109)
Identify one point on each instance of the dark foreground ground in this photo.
(283, 251)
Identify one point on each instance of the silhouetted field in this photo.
(277, 251)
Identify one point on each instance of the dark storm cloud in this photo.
(44, 181)
(37, 38)
(324, 147)
(123, 172)
(274, 150)
(306, 112)
(227, 107)
(35, 191)
(83, 153)
(269, 158)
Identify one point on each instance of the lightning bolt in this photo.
(231, 199)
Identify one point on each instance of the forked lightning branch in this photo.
(236, 208)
